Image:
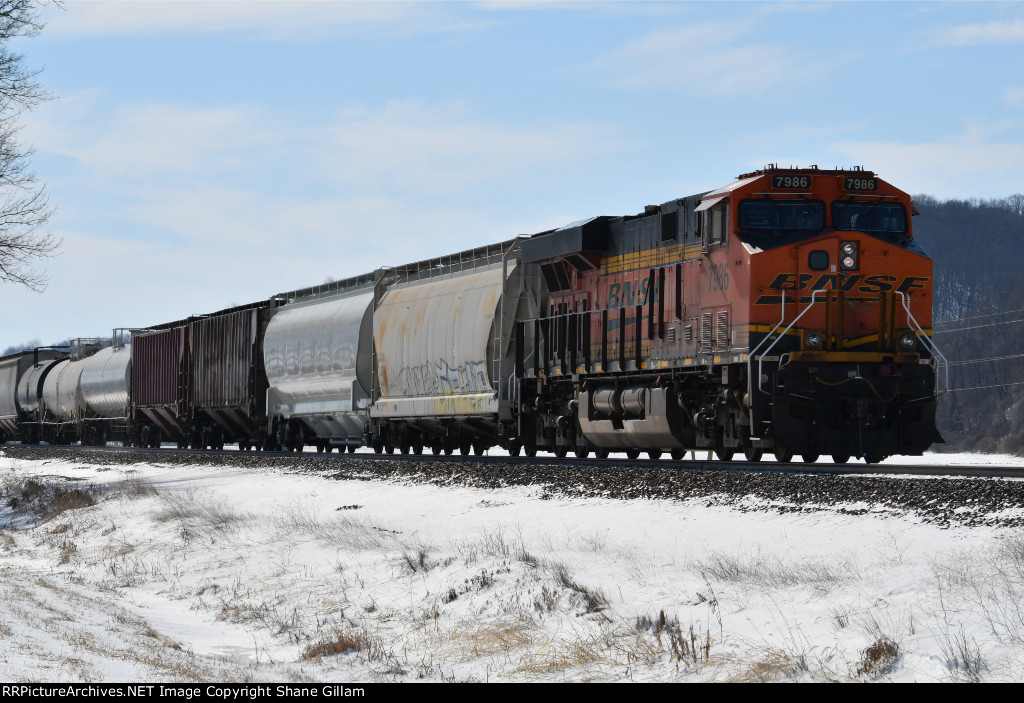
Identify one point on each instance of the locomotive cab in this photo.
(841, 359)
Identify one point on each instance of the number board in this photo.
(856, 183)
(803, 182)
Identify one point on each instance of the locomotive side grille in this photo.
(706, 332)
(670, 334)
(688, 334)
(722, 340)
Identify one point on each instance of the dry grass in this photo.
(341, 643)
(878, 658)
(769, 571)
(190, 507)
(46, 501)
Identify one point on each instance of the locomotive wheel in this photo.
(352, 448)
(389, 448)
(479, 448)
(514, 448)
(677, 454)
(561, 451)
(465, 448)
(404, 448)
(783, 454)
(653, 454)
(632, 454)
(752, 454)
(602, 453)
(840, 458)
(436, 449)
(378, 448)
(531, 451)
(809, 458)
(725, 454)
(449, 450)
(581, 452)
(417, 448)
(873, 459)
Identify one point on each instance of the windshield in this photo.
(869, 217)
(782, 215)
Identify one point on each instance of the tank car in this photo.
(21, 386)
(789, 311)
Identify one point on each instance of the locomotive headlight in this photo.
(907, 341)
(848, 254)
(813, 340)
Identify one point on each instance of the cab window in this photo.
(855, 216)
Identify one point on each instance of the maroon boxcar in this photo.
(227, 377)
(160, 385)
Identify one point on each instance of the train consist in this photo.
(787, 312)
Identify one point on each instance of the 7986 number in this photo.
(791, 181)
(851, 183)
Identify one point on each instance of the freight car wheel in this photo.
(479, 448)
(436, 449)
(352, 448)
(632, 454)
(725, 454)
(653, 454)
(465, 448)
(417, 448)
(752, 454)
(514, 448)
(561, 451)
(531, 451)
(581, 452)
(783, 454)
(602, 453)
(809, 458)
(677, 454)
(873, 459)
(378, 448)
(449, 449)
(840, 458)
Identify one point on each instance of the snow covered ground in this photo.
(170, 573)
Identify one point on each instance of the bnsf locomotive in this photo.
(787, 312)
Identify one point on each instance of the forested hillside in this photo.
(978, 248)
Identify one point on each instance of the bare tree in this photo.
(24, 205)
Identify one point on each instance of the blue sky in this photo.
(205, 154)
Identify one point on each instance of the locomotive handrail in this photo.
(938, 358)
(760, 359)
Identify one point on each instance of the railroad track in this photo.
(825, 467)
(948, 496)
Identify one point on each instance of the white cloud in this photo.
(156, 139)
(971, 165)
(1011, 32)
(1013, 96)
(708, 58)
(440, 151)
(214, 206)
(266, 19)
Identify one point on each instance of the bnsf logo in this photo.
(629, 293)
(871, 285)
